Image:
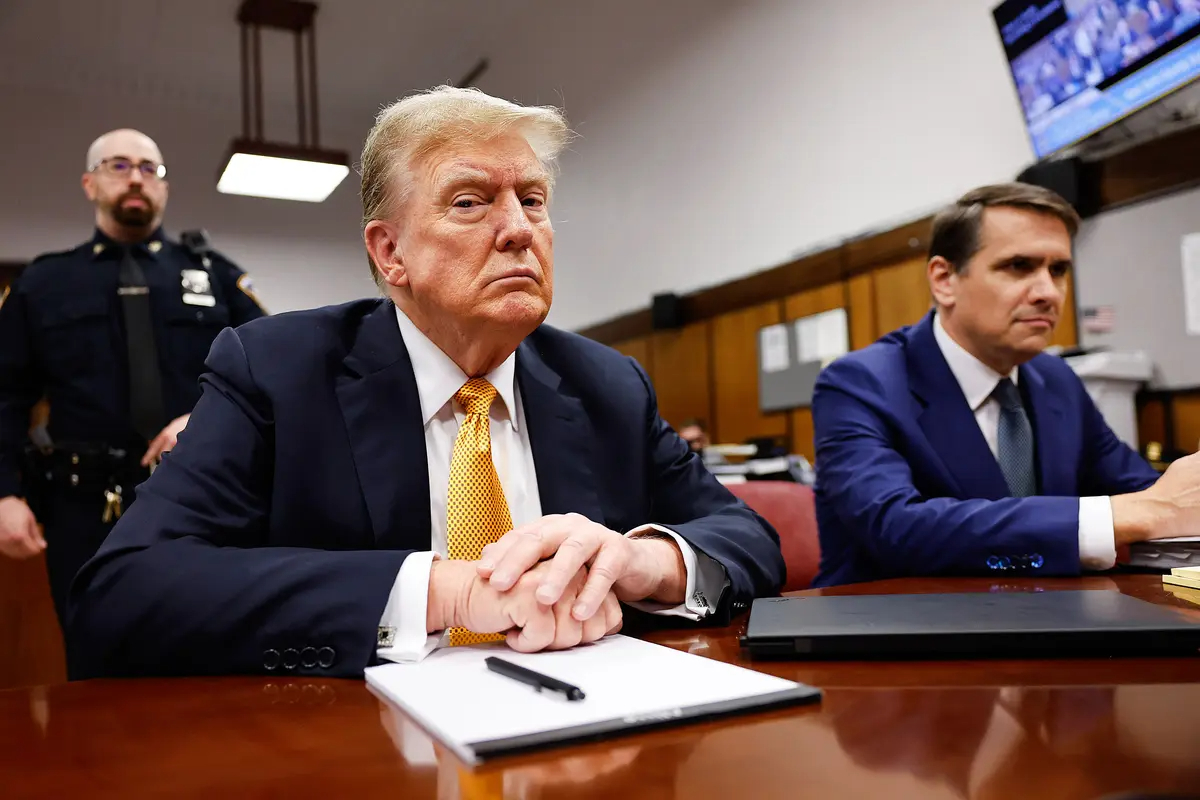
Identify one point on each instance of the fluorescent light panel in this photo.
(280, 178)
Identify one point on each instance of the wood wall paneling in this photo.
(860, 294)
(627, 326)
(805, 304)
(1152, 421)
(1066, 333)
(639, 350)
(1169, 163)
(1186, 416)
(901, 294)
(908, 241)
(814, 301)
(683, 374)
(736, 417)
(764, 287)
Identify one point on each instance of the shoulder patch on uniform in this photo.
(246, 284)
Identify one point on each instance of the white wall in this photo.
(179, 84)
(783, 126)
(718, 138)
(299, 254)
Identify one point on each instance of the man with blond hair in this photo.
(374, 480)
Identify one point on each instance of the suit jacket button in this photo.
(1036, 561)
(993, 562)
(290, 658)
(308, 657)
(326, 657)
(270, 659)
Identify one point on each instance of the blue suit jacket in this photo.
(280, 521)
(906, 484)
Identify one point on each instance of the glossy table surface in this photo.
(1002, 728)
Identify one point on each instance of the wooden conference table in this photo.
(1057, 729)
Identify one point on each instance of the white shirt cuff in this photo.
(1097, 540)
(706, 580)
(405, 611)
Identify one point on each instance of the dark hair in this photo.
(955, 235)
(690, 421)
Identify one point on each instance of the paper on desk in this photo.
(628, 683)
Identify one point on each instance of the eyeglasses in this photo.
(120, 167)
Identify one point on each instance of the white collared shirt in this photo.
(1097, 541)
(438, 379)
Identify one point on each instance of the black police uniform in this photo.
(63, 336)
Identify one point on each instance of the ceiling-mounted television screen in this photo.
(1081, 65)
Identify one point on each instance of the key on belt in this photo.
(112, 505)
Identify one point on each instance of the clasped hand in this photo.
(554, 583)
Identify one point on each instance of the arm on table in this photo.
(871, 488)
(184, 584)
(720, 529)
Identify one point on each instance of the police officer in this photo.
(114, 333)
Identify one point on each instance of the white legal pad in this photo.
(630, 685)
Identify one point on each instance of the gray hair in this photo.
(414, 126)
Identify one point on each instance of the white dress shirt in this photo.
(1097, 541)
(438, 379)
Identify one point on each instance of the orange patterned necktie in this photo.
(476, 513)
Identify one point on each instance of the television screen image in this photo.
(1081, 65)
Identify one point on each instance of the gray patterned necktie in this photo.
(1014, 448)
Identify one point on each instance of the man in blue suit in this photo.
(956, 447)
(373, 480)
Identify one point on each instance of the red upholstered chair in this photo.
(790, 509)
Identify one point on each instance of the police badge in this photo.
(197, 288)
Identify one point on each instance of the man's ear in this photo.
(88, 182)
(943, 281)
(383, 246)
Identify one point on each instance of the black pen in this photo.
(534, 679)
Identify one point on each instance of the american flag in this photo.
(1099, 319)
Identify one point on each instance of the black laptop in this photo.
(975, 625)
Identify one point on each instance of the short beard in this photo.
(133, 217)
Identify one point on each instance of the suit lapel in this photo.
(561, 437)
(948, 422)
(1046, 417)
(378, 396)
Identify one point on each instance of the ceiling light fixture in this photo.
(266, 169)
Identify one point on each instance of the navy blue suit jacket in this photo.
(906, 484)
(280, 521)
